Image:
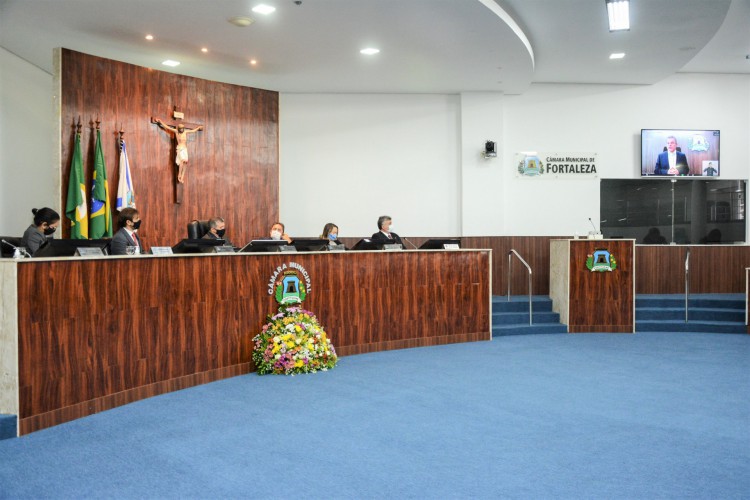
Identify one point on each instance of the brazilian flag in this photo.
(76, 208)
(101, 212)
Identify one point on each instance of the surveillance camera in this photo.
(297, 2)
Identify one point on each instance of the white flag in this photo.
(125, 191)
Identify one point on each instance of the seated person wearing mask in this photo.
(129, 221)
(331, 233)
(45, 224)
(385, 235)
(217, 230)
(277, 233)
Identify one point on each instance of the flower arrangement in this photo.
(292, 341)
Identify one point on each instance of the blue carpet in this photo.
(539, 416)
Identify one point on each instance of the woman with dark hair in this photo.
(45, 224)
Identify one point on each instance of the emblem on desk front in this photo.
(289, 284)
(601, 261)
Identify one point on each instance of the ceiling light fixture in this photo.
(253, 62)
(617, 55)
(171, 63)
(618, 12)
(204, 50)
(241, 21)
(370, 51)
(264, 9)
(149, 37)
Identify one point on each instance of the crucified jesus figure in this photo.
(180, 134)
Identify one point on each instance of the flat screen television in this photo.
(696, 153)
(440, 243)
(201, 245)
(67, 248)
(264, 246)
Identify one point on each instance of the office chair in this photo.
(196, 229)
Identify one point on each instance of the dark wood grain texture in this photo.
(601, 301)
(105, 332)
(233, 171)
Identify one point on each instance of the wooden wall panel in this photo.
(659, 268)
(104, 332)
(234, 162)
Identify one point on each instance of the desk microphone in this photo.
(592, 225)
(408, 241)
(18, 251)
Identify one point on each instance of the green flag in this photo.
(101, 212)
(75, 207)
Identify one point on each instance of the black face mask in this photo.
(48, 231)
(220, 232)
(136, 225)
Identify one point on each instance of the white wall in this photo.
(28, 173)
(482, 201)
(348, 159)
(607, 120)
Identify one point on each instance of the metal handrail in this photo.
(687, 282)
(510, 263)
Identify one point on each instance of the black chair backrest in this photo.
(196, 229)
(678, 149)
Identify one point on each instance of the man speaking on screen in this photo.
(671, 161)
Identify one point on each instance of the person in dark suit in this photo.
(217, 230)
(129, 221)
(45, 224)
(385, 235)
(671, 161)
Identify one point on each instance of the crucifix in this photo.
(180, 132)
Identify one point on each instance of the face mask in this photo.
(220, 232)
(136, 225)
(390, 228)
(275, 234)
(332, 237)
(49, 231)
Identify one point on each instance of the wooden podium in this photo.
(592, 284)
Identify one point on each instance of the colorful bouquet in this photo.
(293, 342)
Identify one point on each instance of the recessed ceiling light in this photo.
(369, 51)
(241, 21)
(149, 37)
(171, 63)
(253, 62)
(204, 50)
(264, 9)
(617, 55)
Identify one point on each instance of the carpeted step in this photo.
(690, 326)
(712, 301)
(694, 314)
(521, 303)
(521, 317)
(526, 329)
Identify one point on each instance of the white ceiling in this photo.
(427, 46)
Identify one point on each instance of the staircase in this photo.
(512, 318)
(712, 313)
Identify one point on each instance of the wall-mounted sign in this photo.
(558, 165)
